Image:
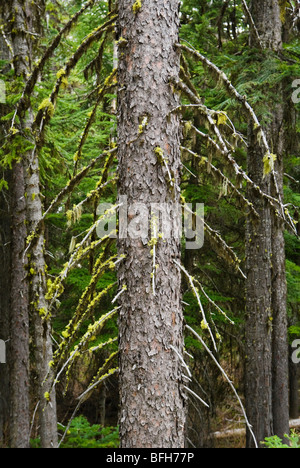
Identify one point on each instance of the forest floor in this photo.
(228, 427)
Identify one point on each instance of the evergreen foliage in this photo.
(73, 98)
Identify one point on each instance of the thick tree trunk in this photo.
(5, 243)
(152, 406)
(19, 287)
(266, 17)
(5, 262)
(25, 16)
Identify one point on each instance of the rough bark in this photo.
(39, 305)
(266, 17)
(5, 244)
(258, 372)
(25, 24)
(266, 282)
(18, 355)
(294, 400)
(152, 405)
(280, 363)
(19, 319)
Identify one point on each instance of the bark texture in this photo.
(5, 261)
(266, 325)
(266, 17)
(19, 319)
(151, 320)
(19, 292)
(39, 304)
(258, 372)
(5, 242)
(28, 282)
(280, 363)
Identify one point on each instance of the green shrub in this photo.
(82, 434)
(276, 442)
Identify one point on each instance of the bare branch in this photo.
(252, 23)
(227, 378)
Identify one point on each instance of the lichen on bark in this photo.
(152, 404)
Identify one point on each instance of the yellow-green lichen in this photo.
(47, 106)
(137, 6)
(61, 75)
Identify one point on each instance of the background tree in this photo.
(266, 325)
(28, 287)
(5, 240)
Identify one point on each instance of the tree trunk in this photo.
(270, 278)
(258, 372)
(266, 17)
(280, 366)
(5, 262)
(25, 16)
(152, 410)
(19, 318)
(5, 242)
(294, 388)
(19, 292)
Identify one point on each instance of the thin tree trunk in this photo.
(41, 319)
(294, 400)
(279, 286)
(152, 410)
(266, 282)
(258, 372)
(19, 319)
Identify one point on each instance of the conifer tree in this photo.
(152, 405)
(28, 284)
(266, 322)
